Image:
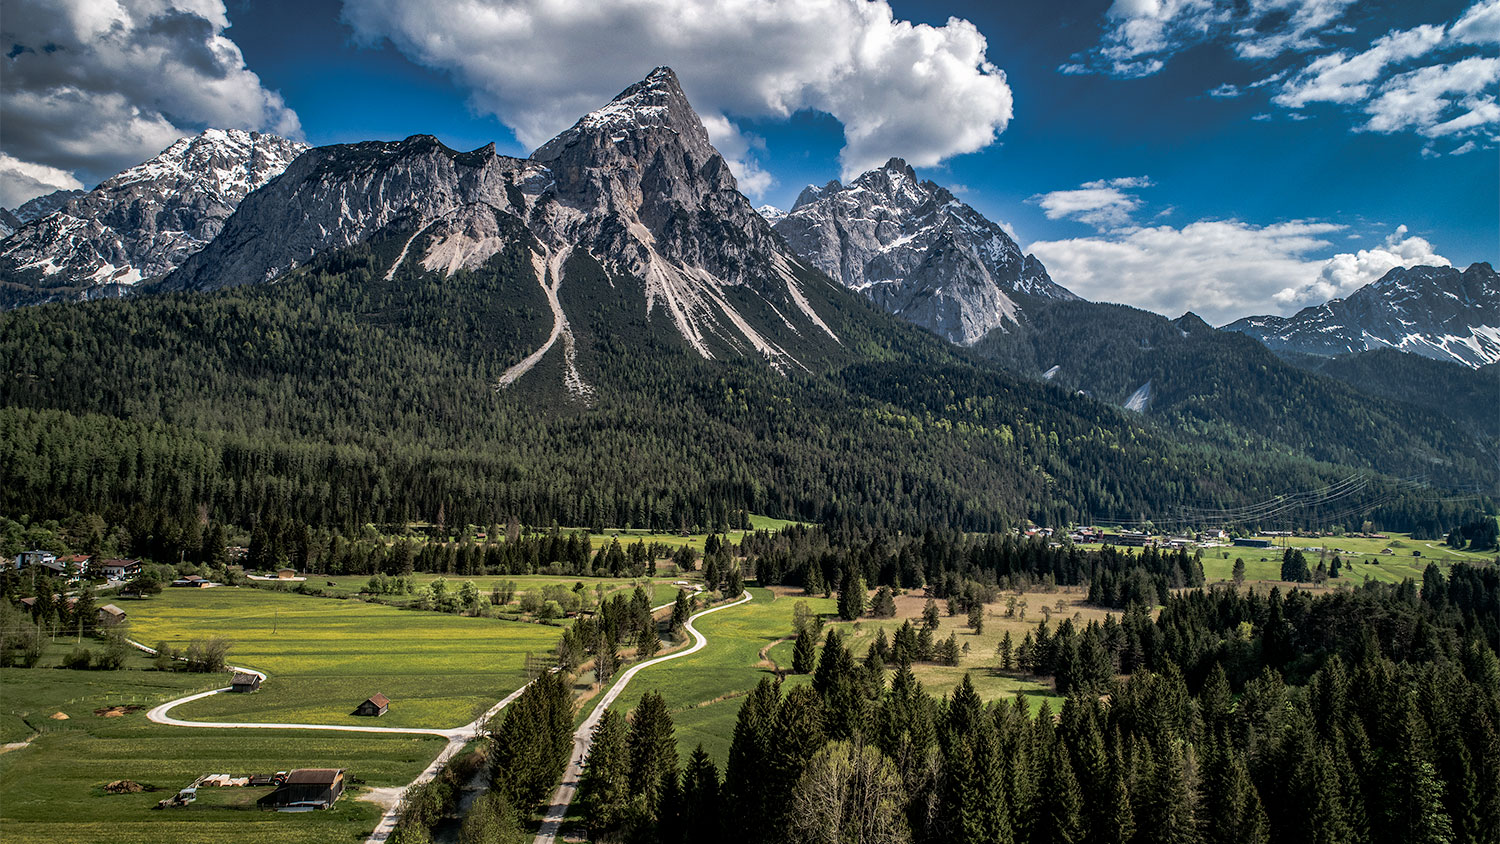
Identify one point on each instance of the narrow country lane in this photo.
(584, 736)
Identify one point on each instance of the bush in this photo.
(78, 659)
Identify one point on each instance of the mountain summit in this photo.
(635, 187)
(917, 251)
(1436, 312)
(140, 224)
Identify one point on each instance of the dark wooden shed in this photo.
(374, 706)
(244, 681)
(306, 788)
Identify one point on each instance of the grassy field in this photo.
(326, 655)
(1363, 558)
(52, 790)
(348, 585)
(704, 691)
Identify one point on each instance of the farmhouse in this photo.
(111, 615)
(120, 569)
(244, 681)
(375, 706)
(1245, 542)
(306, 788)
(192, 581)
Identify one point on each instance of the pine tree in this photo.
(1060, 814)
(852, 597)
(973, 795)
(682, 608)
(749, 817)
(604, 787)
(804, 652)
(653, 752)
(700, 799)
(1006, 651)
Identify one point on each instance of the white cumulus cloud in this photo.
(93, 86)
(921, 92)
(1225, 269)
(1342, 78)
(22, 180)
(1103, 204)
(1438, 100)
(1141, 36)
(1347, 272)
(1480, 24)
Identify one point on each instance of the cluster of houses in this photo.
(77, 567)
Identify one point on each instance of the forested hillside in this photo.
(339, 397)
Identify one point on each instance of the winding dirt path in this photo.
(387, 798)
(584, 736)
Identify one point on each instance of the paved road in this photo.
(584, 736)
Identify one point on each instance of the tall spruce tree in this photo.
(604, 787)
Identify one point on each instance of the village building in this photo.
(1247, 542)
(192, 581)
(306, 788)
(286, 573)
(374, 706)
(111, 615)
(120, 569)
(245, 681)
(26, 559)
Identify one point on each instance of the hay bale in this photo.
(59, 716)
(124, 787)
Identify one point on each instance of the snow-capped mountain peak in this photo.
(141, 223)
(1436, 312)
(917, 250)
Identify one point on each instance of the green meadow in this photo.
(52, 790)
(704, 690)
(326, 655)
(1388, 560)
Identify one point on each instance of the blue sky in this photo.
(1103, 148)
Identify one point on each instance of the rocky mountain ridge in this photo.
(636, 186)
(917, 251)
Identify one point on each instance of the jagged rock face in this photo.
(636, 185)
(8, 223)
(918, 251)
(1436, 312)
(337, 196)
(142, 223)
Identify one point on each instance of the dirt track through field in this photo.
(584, 736)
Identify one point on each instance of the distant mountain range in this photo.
(1437, 312)
(619, 271)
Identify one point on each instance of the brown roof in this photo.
(314, 776)
(111, 609)
(379, 700)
